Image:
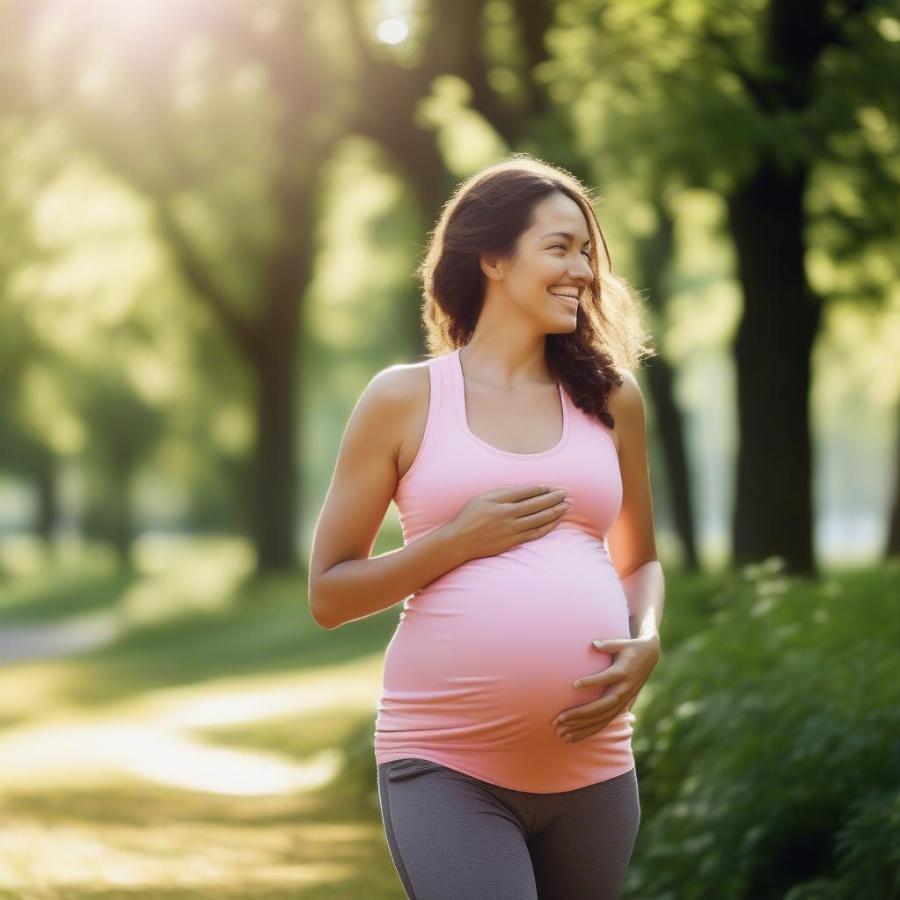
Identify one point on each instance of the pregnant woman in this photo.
(532, 593)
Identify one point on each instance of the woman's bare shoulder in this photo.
(396, 405)
(626, 404)
(399, 387)
(627, 394)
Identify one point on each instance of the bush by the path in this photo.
(769, 746)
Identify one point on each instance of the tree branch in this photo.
(197, 274)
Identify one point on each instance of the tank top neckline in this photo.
(459, 397)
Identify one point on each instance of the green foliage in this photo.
(768, 750)
(62, 588)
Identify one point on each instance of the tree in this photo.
(767, 104)
(231, 178)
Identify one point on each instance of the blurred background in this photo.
(211, 212)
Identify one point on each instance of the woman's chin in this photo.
(563, 327)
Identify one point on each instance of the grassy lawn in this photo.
(200, 754)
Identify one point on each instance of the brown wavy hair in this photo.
(487, 213)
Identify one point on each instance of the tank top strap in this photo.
(442, 392)
(439, 419)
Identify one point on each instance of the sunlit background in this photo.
(211, 211)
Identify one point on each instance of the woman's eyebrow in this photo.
(566, 234)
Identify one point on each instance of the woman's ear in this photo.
(492, 266)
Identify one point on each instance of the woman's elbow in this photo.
(319, 609)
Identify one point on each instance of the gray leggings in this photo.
(455, 837)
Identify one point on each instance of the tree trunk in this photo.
(275, 481)
(660, 378)
(654, 256)
(47, 498)
(773, 503)
(107, 515)
(122, 525)
(892, 545)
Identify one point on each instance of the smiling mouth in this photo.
(569, 301)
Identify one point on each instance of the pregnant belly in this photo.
(486, 656)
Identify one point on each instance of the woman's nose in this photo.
(583, 273)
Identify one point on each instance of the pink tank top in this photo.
(484, 657)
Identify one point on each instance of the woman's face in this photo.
(550, 273)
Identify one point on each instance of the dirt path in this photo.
(135, 798)
(46, 640)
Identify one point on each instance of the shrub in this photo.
(768, 747)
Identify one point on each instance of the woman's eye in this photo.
(586, 253)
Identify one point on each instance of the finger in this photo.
(589, 712)
(514, 495)
(610, 675)
(573, 737)
(612, 645)
(581, 730)
(579, 716)
(618, 711)
(567, 715)
(601, 702)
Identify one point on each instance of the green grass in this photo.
(165, 842)
(62, 589)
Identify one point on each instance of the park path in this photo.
(134, 798)
(158, 735)
(65, 637)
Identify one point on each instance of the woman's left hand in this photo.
(635, 660)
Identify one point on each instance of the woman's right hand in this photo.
(493, 522)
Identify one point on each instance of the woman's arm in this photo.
(645, 589)
(344, 582)
(632, 542)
